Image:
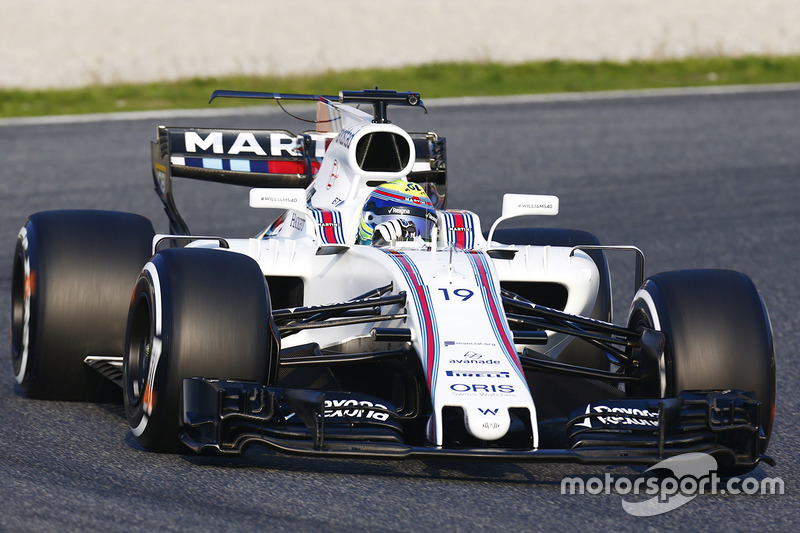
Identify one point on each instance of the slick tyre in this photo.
(194, 313)
(717, 331)
(71, 287)
(577, 352)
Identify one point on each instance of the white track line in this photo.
(430, 103)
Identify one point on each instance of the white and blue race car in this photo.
(371, 320)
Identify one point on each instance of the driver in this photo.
(396, 211)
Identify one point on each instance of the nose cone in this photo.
(487, 423)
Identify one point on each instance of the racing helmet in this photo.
(399, 200)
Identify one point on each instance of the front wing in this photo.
(228, 416)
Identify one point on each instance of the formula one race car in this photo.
(369, 320)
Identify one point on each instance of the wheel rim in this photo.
(139, 351)
(644, 315)
(20, 302)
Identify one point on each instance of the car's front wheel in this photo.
(194, 313)
(717, 332)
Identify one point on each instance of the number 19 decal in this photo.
(464, 294)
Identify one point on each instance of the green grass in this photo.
(431, 80)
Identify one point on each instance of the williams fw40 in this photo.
(371, 320)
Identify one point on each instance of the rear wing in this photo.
(254, 158)
(266, 159)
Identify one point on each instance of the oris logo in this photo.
(480, 388)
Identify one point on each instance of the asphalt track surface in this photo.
(708, 181)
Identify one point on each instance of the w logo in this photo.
(486, 412)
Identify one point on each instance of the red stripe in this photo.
(461, 236)
(290, 167)
(330, 230)
(429, 348)
(512, 351)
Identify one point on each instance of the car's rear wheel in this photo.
(194, 313)
(718, 335)
(71, 287)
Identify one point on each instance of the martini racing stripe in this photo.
(460, 229)
(260, 166)
(420, 296)
(483, 276)
(330, 225)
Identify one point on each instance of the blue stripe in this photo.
(339, 228)
(452, 232)
(336, 220)
(240, 165)
(501, 330)
(414, 279)
(237, 165)
(212, 163)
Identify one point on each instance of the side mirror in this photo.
(286, 199)
(294, 199)
(520, 205)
